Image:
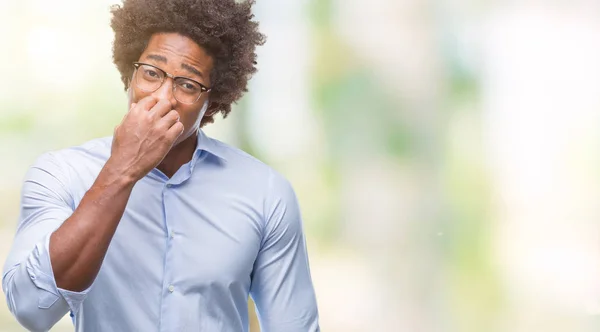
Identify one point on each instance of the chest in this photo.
(197, 239)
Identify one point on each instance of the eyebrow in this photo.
(191, 69)
(185, 66)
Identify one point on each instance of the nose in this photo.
(166, 92)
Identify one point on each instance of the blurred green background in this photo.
(445, 153)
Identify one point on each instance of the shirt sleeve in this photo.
(281, 286)
(28, 280)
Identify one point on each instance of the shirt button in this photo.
(171, 289)
(169, 185)
(172, 234)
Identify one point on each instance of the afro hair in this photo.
(224, 28)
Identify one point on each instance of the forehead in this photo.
(177, 50)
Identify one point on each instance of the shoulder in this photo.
(249, 169)
(62, 164)
(242, 162)
(98, 148)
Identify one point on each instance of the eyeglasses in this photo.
(185, 90)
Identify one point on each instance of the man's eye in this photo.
(151, 73)
(189, 86)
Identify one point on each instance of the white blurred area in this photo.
(542, 128)
(528, 135)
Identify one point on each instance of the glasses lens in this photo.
(149, 78)
(187, 91)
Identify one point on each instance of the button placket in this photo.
(169, 273)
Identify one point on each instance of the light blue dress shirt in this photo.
(186, 255)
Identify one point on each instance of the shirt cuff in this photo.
(40, 272)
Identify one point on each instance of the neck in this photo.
(179, 155)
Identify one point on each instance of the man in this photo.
(161, 228)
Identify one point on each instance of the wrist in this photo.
(114, 172)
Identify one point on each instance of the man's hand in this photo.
(144, 137)
(141, 142)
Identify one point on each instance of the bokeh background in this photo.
(445, 153)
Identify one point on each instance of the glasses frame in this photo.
(203, 88)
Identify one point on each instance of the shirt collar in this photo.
(205, 143)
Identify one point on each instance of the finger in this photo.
(161, 108)
(175, 131)
(145, 104)
(169, 119)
